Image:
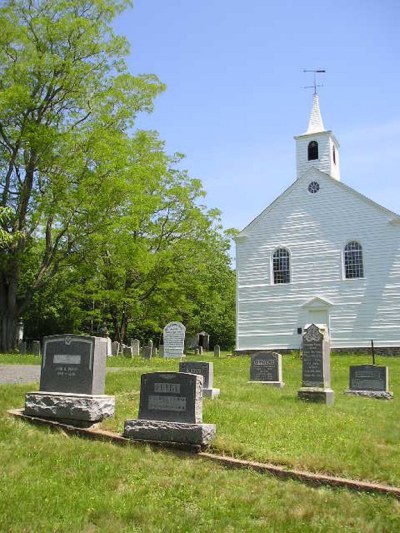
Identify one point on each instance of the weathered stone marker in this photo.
(316, 376)
(72, 380)
(266, 368)
(174, 340)
(115, 348)
(135, 343)
(217, 350)
(202, 369)
(170, 409)
(370, 380)
(127, 351)
(148, 351)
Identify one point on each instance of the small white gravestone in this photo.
(135, 344)
(174, 340)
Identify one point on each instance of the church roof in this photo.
(315, 124)
(394, 218)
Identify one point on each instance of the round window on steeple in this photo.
(313, 187)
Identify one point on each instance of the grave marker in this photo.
(217, 350)
(316, 366)
(72, 380)
(170, 409)
(266, 368)
(369, 380)
(204, 369)
(174, 340)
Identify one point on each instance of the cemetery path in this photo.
(20, 374)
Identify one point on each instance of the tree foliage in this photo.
(83, 203)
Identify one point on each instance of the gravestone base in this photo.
(316, 395)
(277, 384)
(66, 406)
(163, 431)
(380, 395)
(211, 393)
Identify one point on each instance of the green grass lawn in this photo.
(54, 482)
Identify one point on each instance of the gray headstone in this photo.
(135, 343)
(73, 364)
(201, 350)
(174, 340)
(316, 358)
(171, 396)
(127, 351)
(266, 367)
(217, 350)
(108, 346)
(36, 347)
(316, 376)
(115, 348)
(147, 352)
(22, 348)
(371, 381)
(369, 377)
(161, 350)
(204, 369)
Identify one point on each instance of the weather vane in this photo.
(314, 86)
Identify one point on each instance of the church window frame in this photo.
(353, 260)
(313, 151)
(281, 266)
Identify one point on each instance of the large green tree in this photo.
(66, 103)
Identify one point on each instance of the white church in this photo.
(320, 253)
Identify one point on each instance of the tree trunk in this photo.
(8, 314)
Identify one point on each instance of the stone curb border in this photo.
(230, 462)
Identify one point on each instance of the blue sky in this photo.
(235, 96)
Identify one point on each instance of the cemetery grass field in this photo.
(51, 481)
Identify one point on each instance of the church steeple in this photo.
(315, 124)
(317, 147)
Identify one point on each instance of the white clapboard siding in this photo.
(315, 229)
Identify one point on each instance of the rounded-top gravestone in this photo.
(174, 340)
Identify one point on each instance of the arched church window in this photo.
(334, 155)
(353, 260)
(281, 266)
(312, 150)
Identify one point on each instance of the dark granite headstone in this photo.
(170, 410)
(266, 367)
(172, 396)
(72, 381)
(370, 380)
(201, 368)
(204, 369)
(369, 377)
(316, 364)
(73, 364)
(316, 376)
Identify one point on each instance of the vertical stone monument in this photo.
(36, 347)
(72, 381)
(127, 351)
(316, 378)
(202, 369)
(371, 381)
(217, 350)
(170, 410)
(115, 348)
(266, 368)
(135, 343)
(148, 351)
(174, 340)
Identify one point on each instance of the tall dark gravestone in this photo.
(170, 410)
(72, 380)
(370, 381)
(204, 369)
(316, 375)
(266, 368)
